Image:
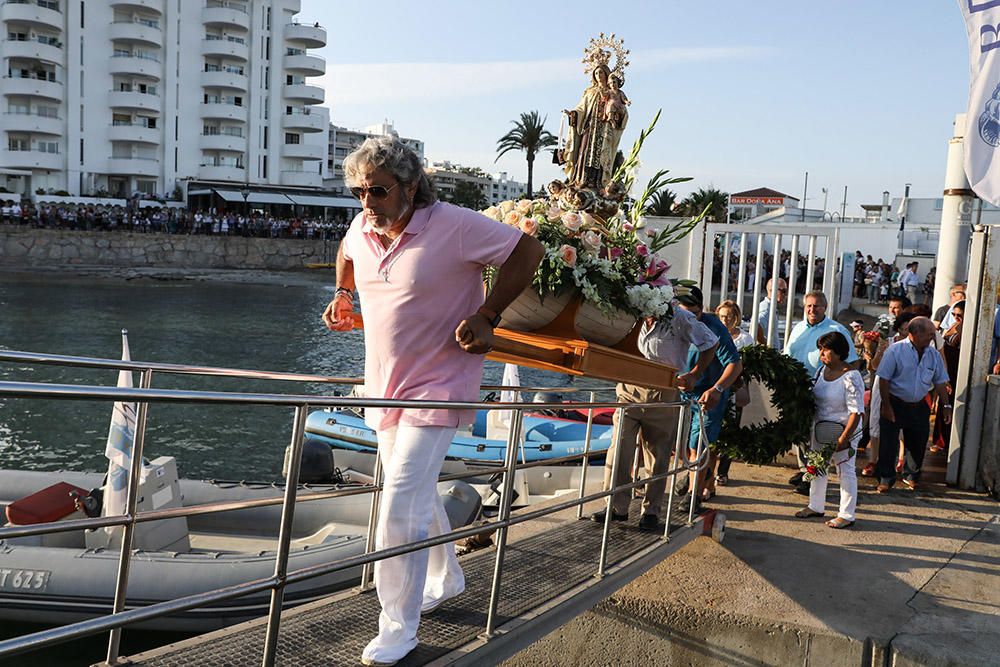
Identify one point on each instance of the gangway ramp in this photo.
(549, 578)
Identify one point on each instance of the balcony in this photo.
(225, 17)
(304, 151)
(133, 166)
(225, 48)
(135, 66)
(305, 92)
(305, 122)
(302, 179)
(16, 85)
(295, 6)
(135, 133)
(131, 99)
(221, 173)
(223, 142)
(305, 64)
(221, 110)
(31, 160)
(309, 36)
(24, 122)
(33, 49)
(225, 79)
(32, 14)
(151, 5)
(134, 32)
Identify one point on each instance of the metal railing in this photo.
(281, 578)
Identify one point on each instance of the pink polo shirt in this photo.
(413, 297)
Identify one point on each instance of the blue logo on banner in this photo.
(989, 120)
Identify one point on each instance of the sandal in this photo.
(807, 513)
(707, 494)
(721, 480)
(839, 523)
(868, 470)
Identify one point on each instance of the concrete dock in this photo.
(915, 582)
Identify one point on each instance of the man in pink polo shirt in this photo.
(417, 266)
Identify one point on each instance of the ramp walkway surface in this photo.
(558, 558)
(915, 582)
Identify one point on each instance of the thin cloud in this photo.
(381, 82)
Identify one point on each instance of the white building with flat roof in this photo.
(503, 188)
(142, 96)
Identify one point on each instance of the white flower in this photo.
(524, 206)
(591, 240)
(493, 213)
(506, 207)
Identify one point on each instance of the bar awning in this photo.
(229, 195)
(330, 202)
(268, 198)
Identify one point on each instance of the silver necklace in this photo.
(384, 271)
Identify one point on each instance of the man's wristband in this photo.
(719, 389)
(491, 316)
(947, 406)
(344, 291)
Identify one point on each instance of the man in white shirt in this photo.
(667, 341)
(910, 282)
(763, 313)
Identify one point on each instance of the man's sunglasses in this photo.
(376, 191)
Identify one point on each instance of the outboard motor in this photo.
(317, 462)
(548, 397)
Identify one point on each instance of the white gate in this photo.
(742, 244)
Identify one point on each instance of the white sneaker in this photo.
(372, 662)
(430, 604)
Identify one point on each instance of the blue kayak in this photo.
(545, 437)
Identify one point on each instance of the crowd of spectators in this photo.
(168, 220)
(878, 280)
(767, 269)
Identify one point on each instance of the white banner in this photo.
(982, 128)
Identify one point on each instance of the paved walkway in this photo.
(917, 579)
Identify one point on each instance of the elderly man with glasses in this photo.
(777, 292)
(417, 266)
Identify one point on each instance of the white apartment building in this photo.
(341, 142)
(503, 188)
(120, 97)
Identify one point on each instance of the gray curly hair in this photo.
(390, 153)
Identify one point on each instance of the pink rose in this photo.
(615, 253)
(568, 255)
(591, 240)
(572, 221)
(554, 213)
(641, 249)
(513, 219)
(529, 226)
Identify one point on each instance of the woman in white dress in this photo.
(840, 398)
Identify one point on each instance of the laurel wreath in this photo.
(791, 394)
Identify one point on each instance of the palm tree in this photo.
(662, 203)
(716, 201)
(529, 135)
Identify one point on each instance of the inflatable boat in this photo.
(545, 437)
(70, 576)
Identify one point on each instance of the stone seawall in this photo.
(44, 248)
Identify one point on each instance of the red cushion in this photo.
(49, 504)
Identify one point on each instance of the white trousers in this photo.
(411, 510)
(848, 490)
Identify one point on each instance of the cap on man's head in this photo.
(691, 297)
(857, 324)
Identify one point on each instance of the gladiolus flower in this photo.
(641, 249)
(568, 255)
(615, 253)
(628, 226)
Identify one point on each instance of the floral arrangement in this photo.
(818, 461)
(613, 262)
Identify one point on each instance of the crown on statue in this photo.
(600, 50)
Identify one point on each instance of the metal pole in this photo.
(697, 469)
(772, 311)
(128, 530)
(366, 569)
(793, 265)
(758, 271)
(602, 561)
(510, 469)
(843, 207)
(708, 260)
(805, 192)
(741, 276)
(285, 535)
(724, 285)
(811, 264)
(586, 454)
(682, 422)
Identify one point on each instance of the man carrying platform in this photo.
(667, 341)
(417, 266)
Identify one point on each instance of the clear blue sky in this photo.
(856, 92)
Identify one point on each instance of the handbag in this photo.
(741, 397)
(827, 433)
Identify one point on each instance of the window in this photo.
(291, 138)
(47, 146)
(18, 144)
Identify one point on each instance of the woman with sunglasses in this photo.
(949, 350)
(417, 266)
